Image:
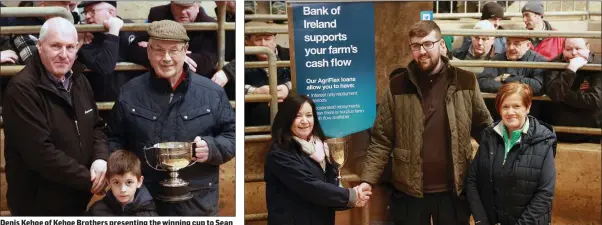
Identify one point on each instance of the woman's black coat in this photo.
(298, 191)
(529, 188)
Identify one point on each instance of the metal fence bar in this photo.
(36, 12)
(258, 98)
(465, 6)
(437, 7)
(258, 138)
(221, 36)
(472, 63)
(283, 29)
(264, 64)
(478, 7)
(100, 28)
(451, 7)
(257, 129)
(265, 17)
(439, 16)
(574, 5)
(272, 69)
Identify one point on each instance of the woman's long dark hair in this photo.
(287, 112)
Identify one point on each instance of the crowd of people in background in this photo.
(573, 91)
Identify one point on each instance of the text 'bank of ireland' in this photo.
(335, 63)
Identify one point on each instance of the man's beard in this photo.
(428, 68)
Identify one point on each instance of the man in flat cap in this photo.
(202, 58)
(102, 50)
(256, 79)
(549, 47)
(172, 103)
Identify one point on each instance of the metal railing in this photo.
(272, 76)
(36, 12)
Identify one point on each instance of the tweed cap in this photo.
(255, 24)
(167, 30)
(535, 6)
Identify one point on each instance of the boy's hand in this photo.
(97, 175)
(202, 150)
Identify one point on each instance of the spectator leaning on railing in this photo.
(492, 12)
(549, 47)
(518, 50)
(102, 50)
(481, 47)
(257, 79)
(575, 92)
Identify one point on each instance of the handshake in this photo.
(364, 190)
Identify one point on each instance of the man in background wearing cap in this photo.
(172, 103)
(202, 58)
(256, 79)
(533, 18)
(493, 12)
(105, 49)
(481, 47)
(491, 79)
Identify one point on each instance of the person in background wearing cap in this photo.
(493, 12)
(56, 150)
(491, 79)
(550, 47)
(575, 93)
(481, 47)
(256, 79)
(102, 50)
(172, 103)
(202, 56)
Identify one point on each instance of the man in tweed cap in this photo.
(172, 103)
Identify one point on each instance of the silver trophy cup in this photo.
(172, 157)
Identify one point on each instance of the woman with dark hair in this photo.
(300, 174)
(512, 177)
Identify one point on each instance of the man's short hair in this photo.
(423, 28)
(121, 162)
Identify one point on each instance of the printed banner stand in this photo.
(334, 62)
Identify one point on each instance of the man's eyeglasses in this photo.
(92, 12)
(156, 51)
(427, 45)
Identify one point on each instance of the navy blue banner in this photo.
(335, 63)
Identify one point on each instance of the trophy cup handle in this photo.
(193, 152)
(145, 149)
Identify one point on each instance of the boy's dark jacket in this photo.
(143, 205)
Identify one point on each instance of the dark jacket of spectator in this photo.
(142, 205)
(548, 47)
(230, 54)
(298, 191)
(499, 46)
(52, 138)
(203, 44)
(101, 56)
(258, 113)
(576, 96)
(144, 116)
(520, 191)
(532, 77)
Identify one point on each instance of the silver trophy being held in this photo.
(172, 157)
(338, 150)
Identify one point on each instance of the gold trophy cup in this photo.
(338, 150)
(172, 157)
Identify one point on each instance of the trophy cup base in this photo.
(174, 190)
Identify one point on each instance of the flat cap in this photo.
(88, 3)
(168, 30)
(492, 10)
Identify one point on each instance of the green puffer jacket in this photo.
(399, 125)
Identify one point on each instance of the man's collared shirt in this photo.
(64, 84)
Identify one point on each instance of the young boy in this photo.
(128, 197)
